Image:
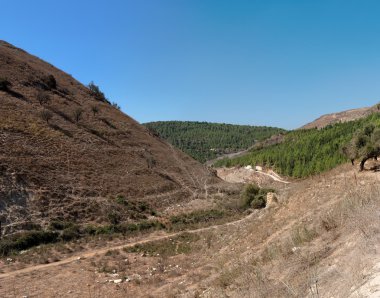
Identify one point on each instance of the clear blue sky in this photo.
(268, 62)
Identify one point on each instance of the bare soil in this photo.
(321, 240)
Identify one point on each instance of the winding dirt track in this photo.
(94, 252)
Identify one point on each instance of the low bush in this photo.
(46, 115)
(254, 197)
(195, 217)
(115, 105)
(26, 240)
(181, 244)
(70, 233)
(95, 110)
(96, 92)
(60, 225)
(4, 84)
(78, 113)
(43, 97)
(50, 82)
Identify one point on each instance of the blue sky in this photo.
(268, 62)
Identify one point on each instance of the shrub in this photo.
(78, 114)
(181, 244)
(60, 225)
(4, 84)
(70, 233)
(26, 240)
(114, 218)
(115, 105)
(46, 115)
(95, 110)
(196, 217)
(43, 97)
(249, 193)
(254, 197)
(120, 199)
(96, 92)
(259, 202)
(50, 81)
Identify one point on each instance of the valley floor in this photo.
(322, 239)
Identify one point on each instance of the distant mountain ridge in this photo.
(345, 116)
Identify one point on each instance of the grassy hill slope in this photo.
(204, 141)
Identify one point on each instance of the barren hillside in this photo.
(344, 116)
(66, 153)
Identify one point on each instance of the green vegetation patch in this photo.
(305, 152)
(196, 217)
(26, 240)
(181, 244)
(254, 197)
(205, 141)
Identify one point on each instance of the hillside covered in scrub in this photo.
(305, 152)
(67, 154)
(205, 141)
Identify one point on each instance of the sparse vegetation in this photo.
(43, 97)
(254, 196)
(78, 113)
(95, 110)
(196, 217)
(26, 240)
(46, 115)
(4, 84)
(50, 82)
(115, 105)
(96, 92)
(181, 244)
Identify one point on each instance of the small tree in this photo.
(364, 145)
(115, 105)
(43, 97)
(50, 81)
(4, 84)
(46, 115)
(95, 110)
(78, 114)
(96, 92)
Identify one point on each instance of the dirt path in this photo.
(94, 252)
(274, 176)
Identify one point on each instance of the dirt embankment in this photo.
(260, 176)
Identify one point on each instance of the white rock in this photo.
(117, 281)
(295, 249)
